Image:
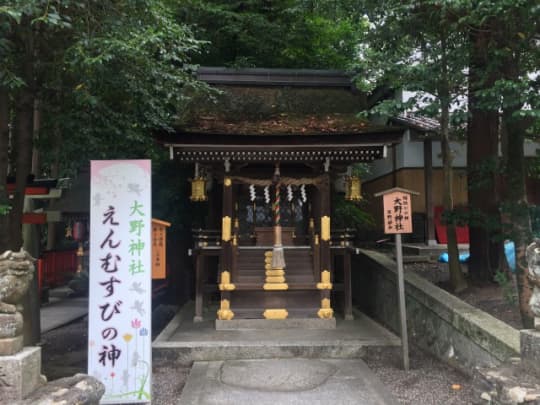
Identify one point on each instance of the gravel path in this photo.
(428, 382)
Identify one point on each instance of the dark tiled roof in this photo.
(274, 77)
(417, 122)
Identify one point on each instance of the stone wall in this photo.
(438, 322)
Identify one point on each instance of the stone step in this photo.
(184, 341)
(272, 324)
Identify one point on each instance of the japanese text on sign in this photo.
(119, 337)
(397, 212)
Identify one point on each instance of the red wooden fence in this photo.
(55, 266)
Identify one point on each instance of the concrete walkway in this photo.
(62, 311)
(284, 381)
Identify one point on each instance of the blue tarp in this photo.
(463, 257)
(509, 252)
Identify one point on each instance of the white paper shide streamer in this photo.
(267, 194)
(289, 193)
(252, 192)
(303, 193)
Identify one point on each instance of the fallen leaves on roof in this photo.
(281, 124)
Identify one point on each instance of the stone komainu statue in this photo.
(16, 272)
(533, 263)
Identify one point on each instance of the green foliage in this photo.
(259, 33)
(5, 209)
(507, 286)
(348, 214)
(109, 74)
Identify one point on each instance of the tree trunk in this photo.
(4, 143)
(457, 279)
(482, 157)
(516, 204)
(24, 134)
(518, 213)
(24, 131)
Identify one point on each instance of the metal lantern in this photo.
(69, 231)
(198, 189)
(353, 189)
(79, 231)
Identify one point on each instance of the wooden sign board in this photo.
(159, 248)
(397, 212)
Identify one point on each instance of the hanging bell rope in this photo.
(277, 202)
(278, 255)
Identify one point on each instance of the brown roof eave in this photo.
(384, 136)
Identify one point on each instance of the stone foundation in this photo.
(271, 324)
(20, 374)
(530, 350)
(438, 322)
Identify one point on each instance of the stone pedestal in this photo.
(530, 350)
(11, 339)
(19, 374)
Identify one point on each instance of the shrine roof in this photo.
(268, 114)
(280, 124)
(275, 77)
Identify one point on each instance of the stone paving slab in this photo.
(284, 381)
(61, 312)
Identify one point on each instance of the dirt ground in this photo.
(492, 298)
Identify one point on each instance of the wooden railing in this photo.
(55, 267)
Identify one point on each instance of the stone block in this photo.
(271, 324)
(530, 349)
(10, 346)
(20, 374)
(11, 325)
(80, 389)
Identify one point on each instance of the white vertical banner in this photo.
(120, 301)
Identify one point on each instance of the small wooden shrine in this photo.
(268, 182)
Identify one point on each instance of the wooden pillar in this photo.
(325, 285)
(200, 277)
(428, 192)
(347, 285)
(225, 312)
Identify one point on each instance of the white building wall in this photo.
(410, 154)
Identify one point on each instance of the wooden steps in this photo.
(250, 299)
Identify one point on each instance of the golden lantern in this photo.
(353, 189)
(198, 189)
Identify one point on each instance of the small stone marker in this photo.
(397, 218)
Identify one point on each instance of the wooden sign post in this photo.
(397, 210)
